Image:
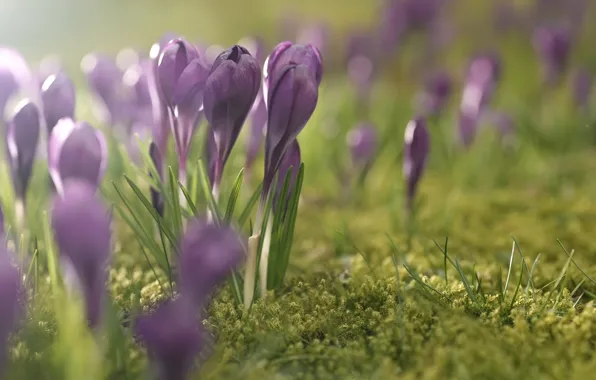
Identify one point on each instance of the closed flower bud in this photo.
(416, 148)
(58, 96)
(76, 151)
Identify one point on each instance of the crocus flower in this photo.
(290, 161)
(58, 96)
(10, 290)
(76, 151)
(15, 76)
(362, 142)
(160, 113)
(81, 225)
(437, 91)
(156, 198)
(182, 76)
(230, 92)
(553, 46)
(416, 147)
(22, 140)
(288, 53)
(104, 78)
(208, 253)
(582, 82)
(173, 338)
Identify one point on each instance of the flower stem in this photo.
(19, 212)
(182, 179)
(251, 260)
(264, 264)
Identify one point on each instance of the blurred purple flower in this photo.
(553, 46)
(208, 254)
(316, 35)
(467, 127)
(362, 143)
(156, 198)
(58, 96)
(287, 53)
(230, 92)
(15, 76)
(49, 65)
(416, 148)
(437, 91)
(210, 154)
(76, 151)
(393, 24)
(81, 225)
(581, 83)
(22, 140)
(182, 76)
(292, 102)
(173, 338)
(504, 124)
(11, 289)
(361, 72)
(104, 78)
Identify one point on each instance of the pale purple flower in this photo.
(362, 142)
(15, 77)
(58, 96)
(416, 148)
(81, 225)
(76, 151)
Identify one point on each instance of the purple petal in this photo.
(172, 62)
(76, 151)
(58, 95)
(81, 225)
(22, 140)
(173, 339)
(14, 76)
(416, 148)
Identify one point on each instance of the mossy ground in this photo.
(369, 296)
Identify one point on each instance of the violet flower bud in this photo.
(362, 142)
(286, 53)
(104, 78)
(291, 104)
(156, 198)
(582, 83)
(81, 225)
(208, 254)
(437, 91)
(290, 161)
(483, 74)
(182, 75)
(58, 96)
(553, 46)
(15, 76)
(230, 92)
(173, 339)
(416, 148)
(11, 289)
(467, 127)
(258, 126)
(22, 140)
(76, 151)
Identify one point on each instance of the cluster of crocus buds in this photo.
(481, 80)
(172, 334)
(416, 148)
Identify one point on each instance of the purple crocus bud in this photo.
(208, 253)
(437, 91)
(255, 46)
(210, 154)
(22, 140)
(10, 290)
(581, 83)
(81, 225)
(182, 76)
(49, 65)
(362, 142)
(258, 126)
(416, 148)
(553, 46)
(14, 76)
(230, 92)
(156, 198)
(290, 161)
(104, 78)
(76, 151)
(316, 35)
(58, 96)
(286, 53)
(291, 104)
(173, 338)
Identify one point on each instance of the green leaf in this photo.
(175, 206)
(206, 187)
(189, 200)
(249, 206)
(233, 198)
